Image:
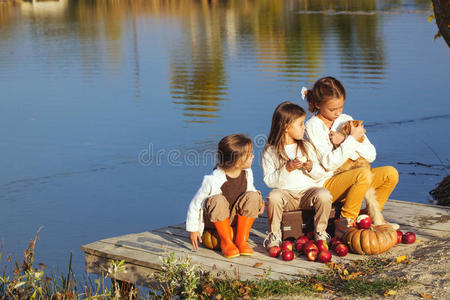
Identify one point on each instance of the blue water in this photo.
(90, 89)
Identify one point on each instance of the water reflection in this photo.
(288, 41)
(288, 46)
(197, 69)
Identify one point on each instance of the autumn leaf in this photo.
(259, 264)
(334, 266)
(401, 258)
(208, 290)
(353, 275)
(426, 296)
(318, 286)
(390, 293)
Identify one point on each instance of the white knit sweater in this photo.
(211, 186)
(331, 159)
(277, 176)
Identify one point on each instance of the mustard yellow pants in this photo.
(351, 186)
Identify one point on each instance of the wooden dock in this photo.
(142, 251)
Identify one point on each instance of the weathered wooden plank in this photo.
(135, 274)
(108, 251)
(418, 215)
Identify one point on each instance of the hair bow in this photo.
(304, 91)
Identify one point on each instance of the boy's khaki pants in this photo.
(217, 208)
(280, 200)
(351, 186)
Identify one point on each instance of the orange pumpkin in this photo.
(375, 240)
(211, 239)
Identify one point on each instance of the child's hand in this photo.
(261, 210)
(293, 164)
(194, 237)
(357, 132)
(336, 138)
(307, 165)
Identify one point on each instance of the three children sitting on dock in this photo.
(302, 175)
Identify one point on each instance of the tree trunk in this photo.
(442, 14)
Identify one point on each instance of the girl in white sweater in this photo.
(290, 167)
(326, 100)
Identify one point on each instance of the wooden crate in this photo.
(297, 223)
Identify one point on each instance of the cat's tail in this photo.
(373, 207)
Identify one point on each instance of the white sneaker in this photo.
(323, 235)
(273, 239)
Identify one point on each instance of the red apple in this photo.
(363, 221)
(312, 255)
(409, 238)
(399, 236)
(309, 245)
(341, 249)
(300, 242)
(334, 242)
(324, 256)
(287, 255)
(310, 235)
(274, 251)
(322, 245)
(286, 245)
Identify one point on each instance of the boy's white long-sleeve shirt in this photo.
(277, 176)
(317, 133)
(211, 186)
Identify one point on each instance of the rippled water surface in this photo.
(110, 110)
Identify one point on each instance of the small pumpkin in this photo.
(211, 239)
(375, 240)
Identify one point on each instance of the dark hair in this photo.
(283, 116)
(231, 149)
(323, 90)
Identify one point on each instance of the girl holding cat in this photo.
(326, 100)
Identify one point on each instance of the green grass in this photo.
(363, 287)
(352, 279)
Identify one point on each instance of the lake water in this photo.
(110, 110)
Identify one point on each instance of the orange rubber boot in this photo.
(229, 249)
(244, 224)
